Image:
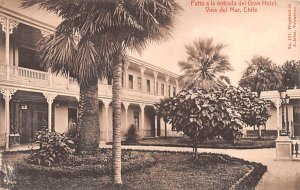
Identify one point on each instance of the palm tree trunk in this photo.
(88, 124)
(117, 92)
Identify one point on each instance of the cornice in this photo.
(152, 67)
(25, 19)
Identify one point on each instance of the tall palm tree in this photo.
(204, 65)
(111, 27)
(261, 74)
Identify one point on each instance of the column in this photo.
(106, 105)
(277, 104)
(49, 97)
(50, 77)
(155, 122)
(155, 81)
(143, 78)
(167, 85)
(7, 27)
(126, 105)
(142, 106)
(7, 95)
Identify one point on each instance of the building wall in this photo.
(61, 118)
(272, 121)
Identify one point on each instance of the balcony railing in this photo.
(28, 73)
(18, 76)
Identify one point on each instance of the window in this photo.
(174, 91)
(130, 81)
(139, 83)
(162, 89)
(148, 86)
(156, 90)
(169, 91)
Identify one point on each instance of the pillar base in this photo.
(283, 148)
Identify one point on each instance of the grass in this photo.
(214, 143)
(170, 171)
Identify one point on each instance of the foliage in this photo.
(203, 114)
(161, 110)
(261, 75)
(204, 65)
(54, 147)
(106, 29)
(131, 136)
(291, 74)
(253, 111)
(93, 164)
(8, 177)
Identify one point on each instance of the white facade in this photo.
(290, 113)
(31, 96)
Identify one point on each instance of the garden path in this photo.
(281, 175)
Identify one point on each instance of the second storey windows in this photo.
(148, 86)
(130, 81)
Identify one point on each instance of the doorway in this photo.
(296, 119)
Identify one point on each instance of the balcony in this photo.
(39, 81)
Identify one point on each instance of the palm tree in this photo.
(204, 65)
(261, 74)
(111, 27)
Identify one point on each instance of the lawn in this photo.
(214, 143)
(170, 171)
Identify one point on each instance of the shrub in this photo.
(53, 148)
(131, 136)
(7, 177)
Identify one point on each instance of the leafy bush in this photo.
(131, 136)
(53, 148)
(7, 177)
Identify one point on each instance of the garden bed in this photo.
(96, 164)
(214, 143)
(147, 170)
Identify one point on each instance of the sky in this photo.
(245, 34)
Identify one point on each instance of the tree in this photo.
(112, 27)
(260, 75)
(253, 111)
(162, 111)
(291, 74)
(203, 114)
(204, 65)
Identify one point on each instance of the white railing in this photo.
(3, 70)
(295, 149)
(47, 81)
(28, 73)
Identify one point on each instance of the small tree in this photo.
(202, 115)
(163, 112)
(291, 74)
(253, 111)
